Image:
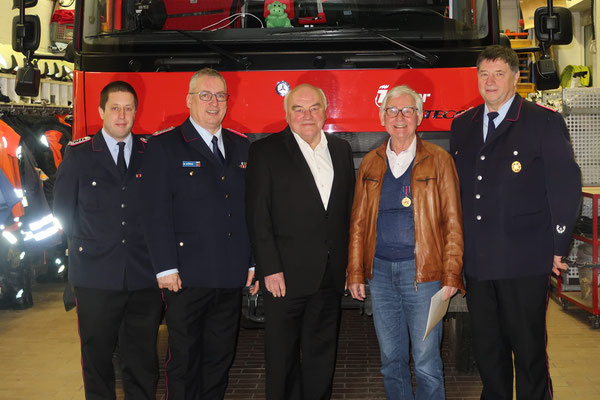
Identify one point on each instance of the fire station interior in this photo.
(39, 344)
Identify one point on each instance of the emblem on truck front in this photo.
(282, 88)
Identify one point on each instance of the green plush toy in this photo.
(277, 17)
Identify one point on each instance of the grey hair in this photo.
(398, 91)
(317, 89)
(205, 72)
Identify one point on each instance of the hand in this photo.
(558, 264)
(253, 288)
(358, 291)
(449, 292)
(171, 282)
(275, 284)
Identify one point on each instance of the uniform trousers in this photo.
(301, 343)
(130, 318)
(508, 321)
(203, 328)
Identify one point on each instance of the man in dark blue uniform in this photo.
(198, 240)
(521, 190)
(97, 199)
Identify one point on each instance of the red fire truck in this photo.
(355, 50)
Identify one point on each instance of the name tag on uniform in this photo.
(191, 164)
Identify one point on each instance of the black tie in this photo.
(491, 126)
(121, 165)
(217, 152)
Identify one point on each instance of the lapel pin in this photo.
(243, 165)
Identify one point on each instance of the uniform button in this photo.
(180, 244)
(123, 205)
(479, 177)
(80, 249)
(482, 158)
(477, 196)
(478, 217)
(124, 241)
(226, 195)
(191, 173)
(124, 187)
(223, 178)
(229, 234)
(94, 183)
(123, 223)
(229, 215)
(516, 153)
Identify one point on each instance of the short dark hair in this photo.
(117, 86)
(499, 52)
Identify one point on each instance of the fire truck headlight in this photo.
(57, 261)
(22, 255)
(61, 269)
(19, 294)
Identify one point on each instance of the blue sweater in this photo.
(395, 224)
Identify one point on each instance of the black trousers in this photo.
(203, 328)
(301, 343)
(130, 318)
(508, 319)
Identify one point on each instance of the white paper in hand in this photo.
(437, 309)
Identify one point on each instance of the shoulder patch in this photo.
(157, 133)
(547, 107)
(237, 133)
(80, 140)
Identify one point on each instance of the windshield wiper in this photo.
(243, 61)
(426, 57)
(430, 59)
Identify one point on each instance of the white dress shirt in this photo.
(399, 163)
(113, 146)
(320, 164)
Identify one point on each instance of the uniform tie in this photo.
(491, 126)
(217, 152)
(121, 165)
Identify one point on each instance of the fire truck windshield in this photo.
(120, 22)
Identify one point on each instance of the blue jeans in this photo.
(400, 313)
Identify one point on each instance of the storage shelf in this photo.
(574, 297)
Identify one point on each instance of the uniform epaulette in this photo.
(547, 107)
(80, 140)
(157, 133)
(237, 133)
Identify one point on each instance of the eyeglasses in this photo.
(406, 111)
(207, 96)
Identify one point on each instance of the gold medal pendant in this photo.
(516, 167)
(406, 202)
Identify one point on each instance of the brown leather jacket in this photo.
(437, 216)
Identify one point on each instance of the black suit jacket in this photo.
(101, 215)
(290, 230)
(195, 217)
(520, 190)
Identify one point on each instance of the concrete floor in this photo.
(39, 356)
